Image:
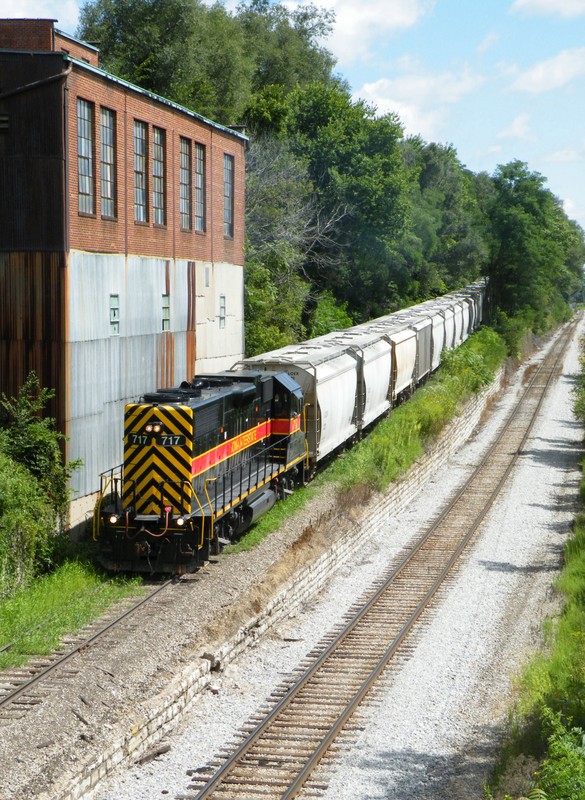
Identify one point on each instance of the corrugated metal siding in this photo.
(108, 370)
(218, 348)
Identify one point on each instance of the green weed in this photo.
(35, 617)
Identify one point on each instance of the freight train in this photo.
(203, 460)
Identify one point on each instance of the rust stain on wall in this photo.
(32, 324)
(191, 336)
(165, 360)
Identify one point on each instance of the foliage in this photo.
(33, 441)
(34, 619)
(27, 522)
(562, 773)
(272, 309)
(179, 49)
(285, 44)
(358, 176)
(537, 253)
(328, 315)
(205, 57)
(446, 239)
(579, 389)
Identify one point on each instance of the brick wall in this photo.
(26, 34)
(123, 234)
(76, 49)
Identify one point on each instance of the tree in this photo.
(285, 44)
(282, 225)
(180, 49)
(537, 253)
(358, 176)
(32, 440)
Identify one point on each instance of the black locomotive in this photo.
(201, 462)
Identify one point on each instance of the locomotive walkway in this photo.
(283, 745)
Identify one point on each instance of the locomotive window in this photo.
(280, 404)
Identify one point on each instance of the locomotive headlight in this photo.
(149, 428)
(113, 519)
(180, 521)
(157, 428)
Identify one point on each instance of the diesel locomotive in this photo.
(202, 461)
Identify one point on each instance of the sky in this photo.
(499, 80)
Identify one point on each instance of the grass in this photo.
(63, 602)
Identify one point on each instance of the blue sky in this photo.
(499, 80)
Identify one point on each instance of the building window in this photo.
(222, 311)
(158, 176)
(140, 173)
(114, 314)
(207, 276)
(200, 188)
(108, 162)
(228, 196)
(185, 184)
(166, 312)
(85, 145)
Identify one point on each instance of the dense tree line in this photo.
(346, 217)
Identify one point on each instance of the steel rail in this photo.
(367, 684)
(215, 781)
(43, 673)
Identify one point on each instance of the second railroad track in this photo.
(280, 750)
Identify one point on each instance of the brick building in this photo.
(121, 238)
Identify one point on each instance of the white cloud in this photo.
(574, 211)
(553, 73)
(564, 8)
(568, 155)
(489, 41)
(421, 99)
(492, 150)
(358, 24)
(519, 129)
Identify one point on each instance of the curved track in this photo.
(282, 747)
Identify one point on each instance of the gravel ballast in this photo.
(432, 729)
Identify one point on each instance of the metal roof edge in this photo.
(76, 40)
(121, 82)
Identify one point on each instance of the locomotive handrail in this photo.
(212, 509)
(109, 479)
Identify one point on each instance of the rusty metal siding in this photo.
(32, 174)
(32, 300)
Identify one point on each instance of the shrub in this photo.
(34, 442)
(562, 773)
(26, 524)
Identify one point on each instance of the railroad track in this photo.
(283, 744)
(22, 688)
